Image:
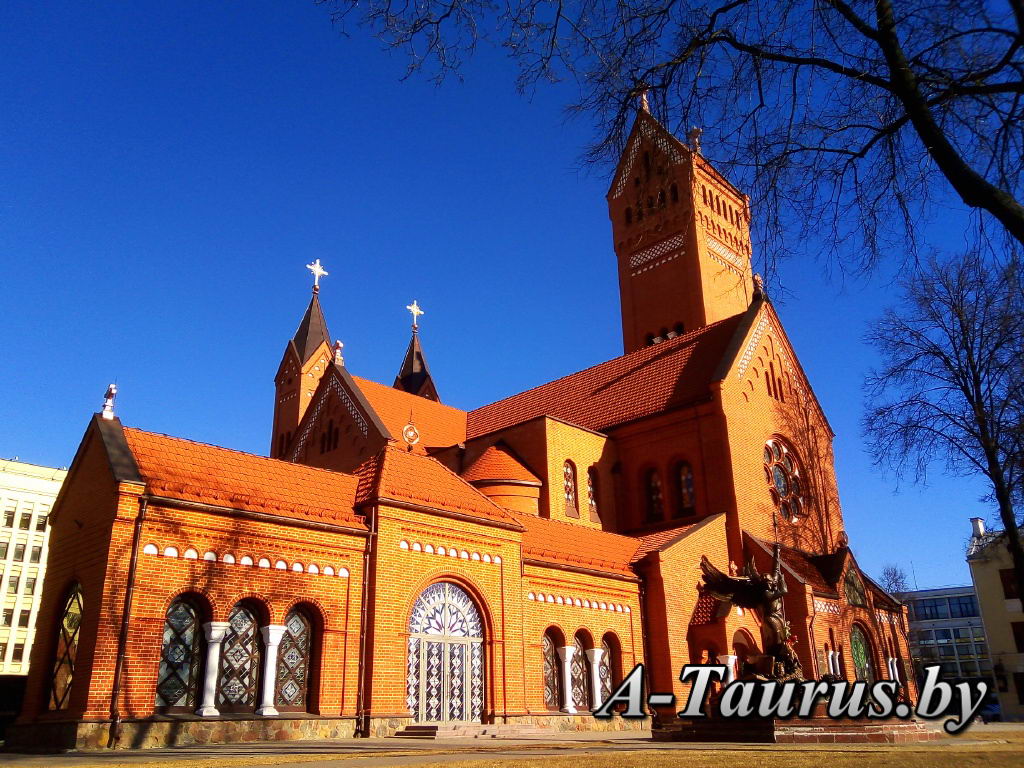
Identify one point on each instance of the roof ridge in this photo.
(678, 341)
(362, 379)
(392, 448)
(574, 526)
(236, 450)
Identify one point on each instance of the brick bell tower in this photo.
(681, 234)
(304, 362)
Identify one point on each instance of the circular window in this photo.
(782, 472)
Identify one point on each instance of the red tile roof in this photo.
(630, 387)
(499, 463)
(659, 540)
(190, 471)
(561, 543)
(816, 570)
(401, 475)
(439, 425)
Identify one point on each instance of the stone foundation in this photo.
(175, 732)
(557, 721)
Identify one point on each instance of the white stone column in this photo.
(594, 656)
(730, 666)
(272, 634)
(832, 663)
(566, 654)
(215, 631)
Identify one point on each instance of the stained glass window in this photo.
(580, 676)
(445, 667)
(861, 653)
(687, 498)
(293, 662)
(606, 669)
(572, 502)
(655, 507)
(238, 684)
(180, 657)
(67, 648)
(785, 481)
(854, 588)
(552, 676)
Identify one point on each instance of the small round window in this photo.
(785, 482)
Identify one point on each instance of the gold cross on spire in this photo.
(318, 272)
(415, 311)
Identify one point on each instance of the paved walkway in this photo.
(382, 753)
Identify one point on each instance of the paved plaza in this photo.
(994, 745)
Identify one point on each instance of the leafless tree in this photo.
(894, 579)
(951, 381)
(848, 118)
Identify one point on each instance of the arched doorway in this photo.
(445, 672)
(860, 650)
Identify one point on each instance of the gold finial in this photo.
(644, 105)
(415, 311)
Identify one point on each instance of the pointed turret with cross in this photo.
(414, 375)
(305, 359)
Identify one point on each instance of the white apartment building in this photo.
(27, 492)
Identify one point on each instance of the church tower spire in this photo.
(414, 375)
(305, 360)
(681, 234)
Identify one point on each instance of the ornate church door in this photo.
(445, 667)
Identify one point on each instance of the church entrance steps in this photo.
(474, 731)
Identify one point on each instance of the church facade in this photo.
(397, 561)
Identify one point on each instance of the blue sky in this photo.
(169, 169)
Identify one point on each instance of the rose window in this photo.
(785, 481)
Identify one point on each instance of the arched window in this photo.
(592, 493)
(552, 672)
(674, 193)
(63, 673)
(572, 501)
(580, 674)
(293, 662)
(653, 496)
(610, 667)
(854, 588)
(181, 656)
(860, 650)
(785, 480)
(684, 482)
(629, 215)
(238, 682)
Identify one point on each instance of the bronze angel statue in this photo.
(762, 593)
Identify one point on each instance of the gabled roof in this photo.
(312, 331)
(440, 426)
(396, 474)
(414, 375)
(498, 462)
(650, 380)
(558, 543)
(660, 540)
(197, 472)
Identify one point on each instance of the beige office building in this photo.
(26, 494)
(992, 572)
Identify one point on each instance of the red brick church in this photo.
(399, 561)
